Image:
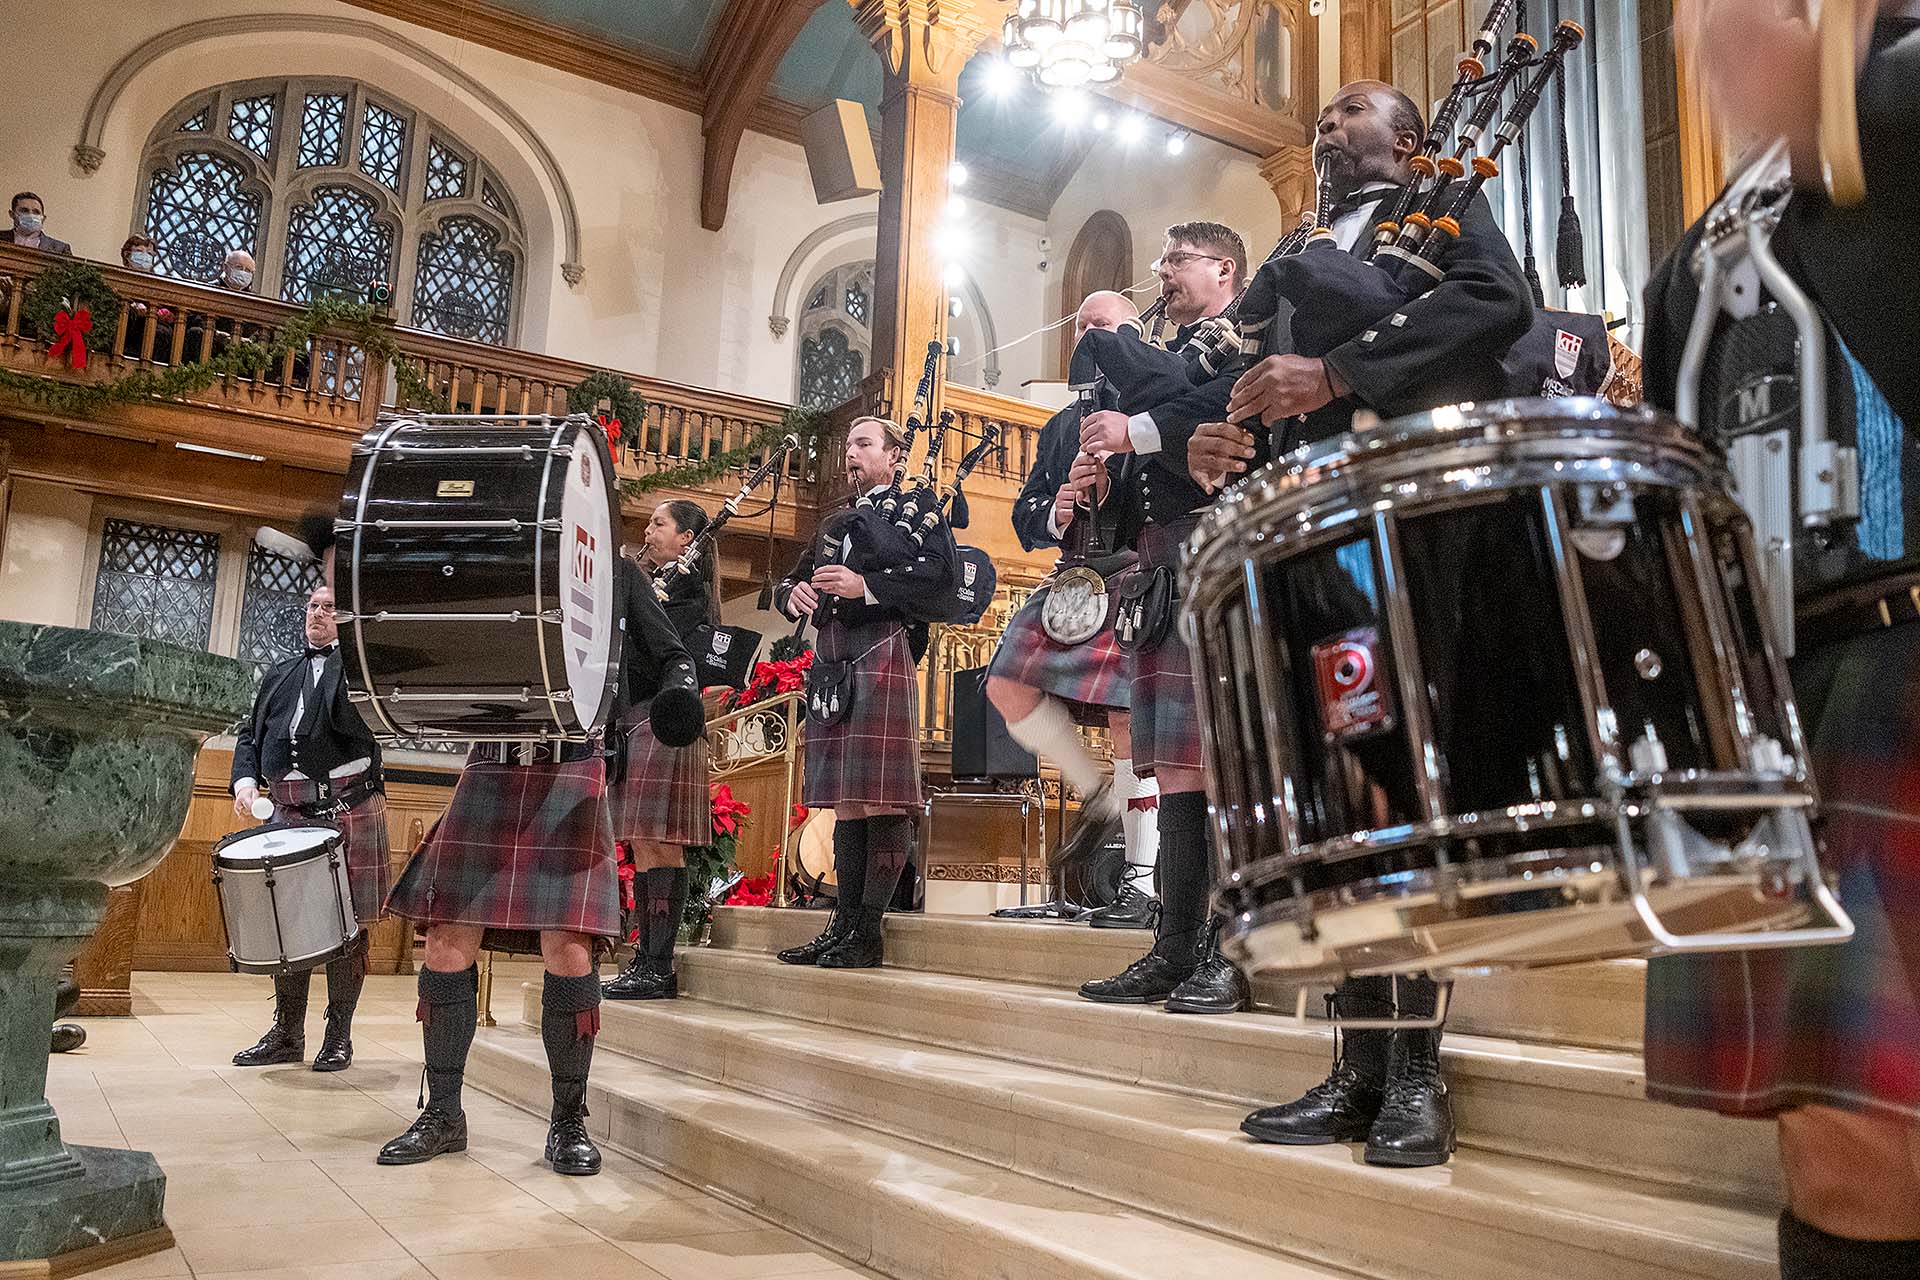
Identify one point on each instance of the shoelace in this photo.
(1405, 1092)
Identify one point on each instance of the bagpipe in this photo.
(667, 576)
(1079, 603)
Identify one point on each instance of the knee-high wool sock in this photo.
(1138, 820)
(888, 838)
(1185, 873)
(850, 861)
(666, 907)
(449, 1007)
(290, 1003)
(1808, 1253)
(1048, 732)
(345, 978)
(569, 1021)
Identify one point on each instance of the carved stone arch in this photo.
(1101, 258)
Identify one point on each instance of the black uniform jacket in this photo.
(1033, 509)
(689, 606)
(339, 731)
(652, 656)
(910, 591)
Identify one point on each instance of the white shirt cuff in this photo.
(1143, 433)
(867, 595)
(242, 784)
(1053, 528)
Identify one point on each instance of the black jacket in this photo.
(910, 590)
(689, 606)
(340, 730)
(1059, 445)
(652, 656)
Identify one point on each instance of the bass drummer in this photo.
(1386, 1087)
(661, 804)
(319, 762)
(523, 860)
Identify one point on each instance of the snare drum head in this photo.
(586, 588)
(279, 841)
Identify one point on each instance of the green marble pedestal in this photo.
(98, 734)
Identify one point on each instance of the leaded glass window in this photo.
(197, 122)
(463, 284)
(196, 211)
(250, 123)
(383, 142)
(830, 370)
(156, 582)
(336, 244)
(819, 298)
(490, 196)
(857, 300)
(446, 172)
(323, 129)
(273, 612)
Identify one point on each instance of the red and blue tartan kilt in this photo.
(1090, 676)
(664, 796)
(1758, 1032)
(363, 833)
(521, 849)
(871, 757)
(1166, 717)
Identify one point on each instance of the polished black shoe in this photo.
(1217, 985)
(839, 925)
(433, 1133)
(336, 1047)
(569, 1149)
(1148, 980)
(277, 1046)
(1340, 1108)
(1058, 909)
(862, 947)
(1099, 824)
(1415, 1126)
(68, 1036)
(650, 985)
(1131, 910)
(637, 977)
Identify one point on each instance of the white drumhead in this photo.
(278, 843)
(586, 581)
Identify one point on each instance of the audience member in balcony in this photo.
(138, 253)
(29, 217)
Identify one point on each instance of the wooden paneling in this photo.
(104, 967)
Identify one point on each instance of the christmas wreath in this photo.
(71, 306)
(626, 414)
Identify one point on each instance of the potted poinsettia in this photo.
(710, 867)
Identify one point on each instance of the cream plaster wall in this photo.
(45, 564)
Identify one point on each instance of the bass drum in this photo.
(476, 572)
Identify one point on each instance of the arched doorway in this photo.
(1101, 258)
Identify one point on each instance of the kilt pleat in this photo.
(664, 796)
(1091, 674)
(1754, 1033)
(524, 848)
(873, 755)
(1160, 687)
(363, 832)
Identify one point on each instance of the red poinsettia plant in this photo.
(754, 891)
(770, 679)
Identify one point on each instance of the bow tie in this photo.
(321, 653)
(1357, 201)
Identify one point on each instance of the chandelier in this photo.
(1069, 43)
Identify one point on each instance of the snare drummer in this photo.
(1044, 689)
(1386, 1086)
(523, 860)
(1827, 1039)
(661, 803)
(319, 762)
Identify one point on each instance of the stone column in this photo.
(1289, 171)
(923, 44)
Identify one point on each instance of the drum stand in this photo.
(1059, 907)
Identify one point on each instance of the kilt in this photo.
(1166, 717)
(363, 831)
(1091, 677)
(520, 850)
(663, 797)
(1758, 1032)
(872, 756)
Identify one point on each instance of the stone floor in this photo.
(270, 1172)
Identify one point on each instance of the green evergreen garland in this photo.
(808, 424)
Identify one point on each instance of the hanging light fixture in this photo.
(1070, 43)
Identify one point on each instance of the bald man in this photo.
(1046, 690)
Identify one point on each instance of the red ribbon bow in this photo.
(70, 330)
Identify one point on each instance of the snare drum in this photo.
(476, 578)
(284, 897)
(1490, 687)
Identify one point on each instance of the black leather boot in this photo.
(633, 981)
(286, 1039)
(1148, 980)
(336, 1047)
(67, 1036)
(863, 945)
(569, 1021)
(448, 1009)
(436, 1131)
(1099, 824)
(839, 925)
(1133, 909)
(569, 1149)
(1415, 1126)
(1216, 984)
(1342, 1107)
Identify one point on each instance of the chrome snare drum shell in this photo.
(1344, 844)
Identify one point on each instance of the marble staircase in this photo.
(959, 1113)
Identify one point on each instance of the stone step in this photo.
(1597, 1006)
(1574, 1106)
(902, 1208)
(1482, 1217)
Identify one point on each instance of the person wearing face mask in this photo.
(137, 254)
(29, 219)
(237, 273)
(869, 599)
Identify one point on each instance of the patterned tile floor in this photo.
(270, 1172)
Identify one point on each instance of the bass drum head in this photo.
(587, 629)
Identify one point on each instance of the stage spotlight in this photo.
(1070, 107)
(1101, 120)
(1176, 142)
(1000, 78)
(956, 174)
(1133, 127)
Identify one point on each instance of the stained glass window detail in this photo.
(830, 369)
(250, 123)
(383, 142)
(273, 612)
(857, 301)
(196, 211)
(491, 197)
(818, 300)
(463, 283)
(156, 582)
(446, 172)
(335, 245)
(197, 122)
(323, 129)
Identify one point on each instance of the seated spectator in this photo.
(29, 216)
(235, 274)
(138, 254)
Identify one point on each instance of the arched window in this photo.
(836, 343)
(333, 186)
